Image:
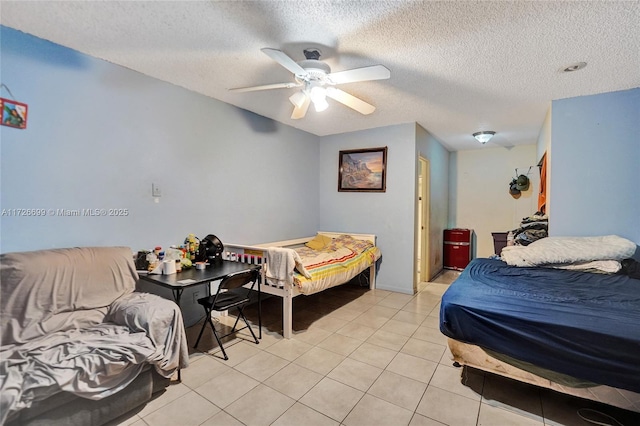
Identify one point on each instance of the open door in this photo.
(422, 224)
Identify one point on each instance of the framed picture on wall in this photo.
(363, 170)
(14, 114)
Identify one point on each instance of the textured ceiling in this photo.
(456, 67)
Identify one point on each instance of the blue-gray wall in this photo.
(438, 156)
(389, 215)
(595, 165)
(99, 135)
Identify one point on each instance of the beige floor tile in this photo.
(222, 419)
(170, 394)
(371, 319)
(463, 381)
(356, 331)
(319, 360)
(300, 414)
(372, 411)
(417, 308)
(409, 317)
(289, 349)
(189, 409)
(433, 320)
(373, 355)
(328, 323)
(382, 311)
(293, 380)
(202, 370)
(262, 365)
(225, 389)
(395, 300)
(345, 313)
(388, 340)
(412, 367)
(430, 334)
(420, 420)
(398, 390)
(139, 422)
(260, 406)
(447, 357)
(491, 415)
(399, 327)
(340, 344)
(423, 349)
(355, 374)
(270, 337)
(238, 353)
(332, 398)
(448, 408)
(312, 336)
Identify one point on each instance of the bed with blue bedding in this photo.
(582, 325)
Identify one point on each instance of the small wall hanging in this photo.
(363, 170)
(14, 113)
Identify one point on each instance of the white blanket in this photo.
(565, 250)
(281, 263)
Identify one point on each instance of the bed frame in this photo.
(257, 254)
(474, 356)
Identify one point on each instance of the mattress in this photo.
(584, 325)
(335, 265)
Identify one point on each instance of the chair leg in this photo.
(215, 334)
(241, 314)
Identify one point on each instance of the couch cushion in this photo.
(50, 290)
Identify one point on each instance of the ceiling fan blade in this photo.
(351, 101)
(375, 72)
(300, 112)
(266, 87)
(284, 60)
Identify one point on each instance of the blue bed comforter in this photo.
(581, 324)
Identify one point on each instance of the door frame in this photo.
(422, 265)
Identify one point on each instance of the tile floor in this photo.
(358, 357)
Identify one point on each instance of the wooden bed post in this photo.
(287, 311)
(372, 276)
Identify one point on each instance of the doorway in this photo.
(422, 264)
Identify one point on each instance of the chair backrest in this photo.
(239, 279)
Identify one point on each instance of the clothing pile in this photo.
(531, 229)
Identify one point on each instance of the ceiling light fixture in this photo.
(483, 137)
(575, 67)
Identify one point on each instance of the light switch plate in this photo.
(155, 190)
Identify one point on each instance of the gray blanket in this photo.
(97, 361)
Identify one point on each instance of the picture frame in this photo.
(13, 113)
(362, 170)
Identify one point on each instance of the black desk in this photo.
(192, 276)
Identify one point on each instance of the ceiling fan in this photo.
(317, 82)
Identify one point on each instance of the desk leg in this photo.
(177, 295)
(259, 310)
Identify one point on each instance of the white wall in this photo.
(429, 148)
(595, 165)
(479, 196)
(389, 215)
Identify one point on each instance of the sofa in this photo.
(78, 344)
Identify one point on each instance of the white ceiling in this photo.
(456, 67)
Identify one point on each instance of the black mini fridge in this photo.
(457, 248)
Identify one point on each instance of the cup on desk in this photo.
(201, 265)
(169, 267)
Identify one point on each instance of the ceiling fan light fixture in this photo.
(318, 96)
(484, 137)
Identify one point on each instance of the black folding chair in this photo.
(231, 294)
